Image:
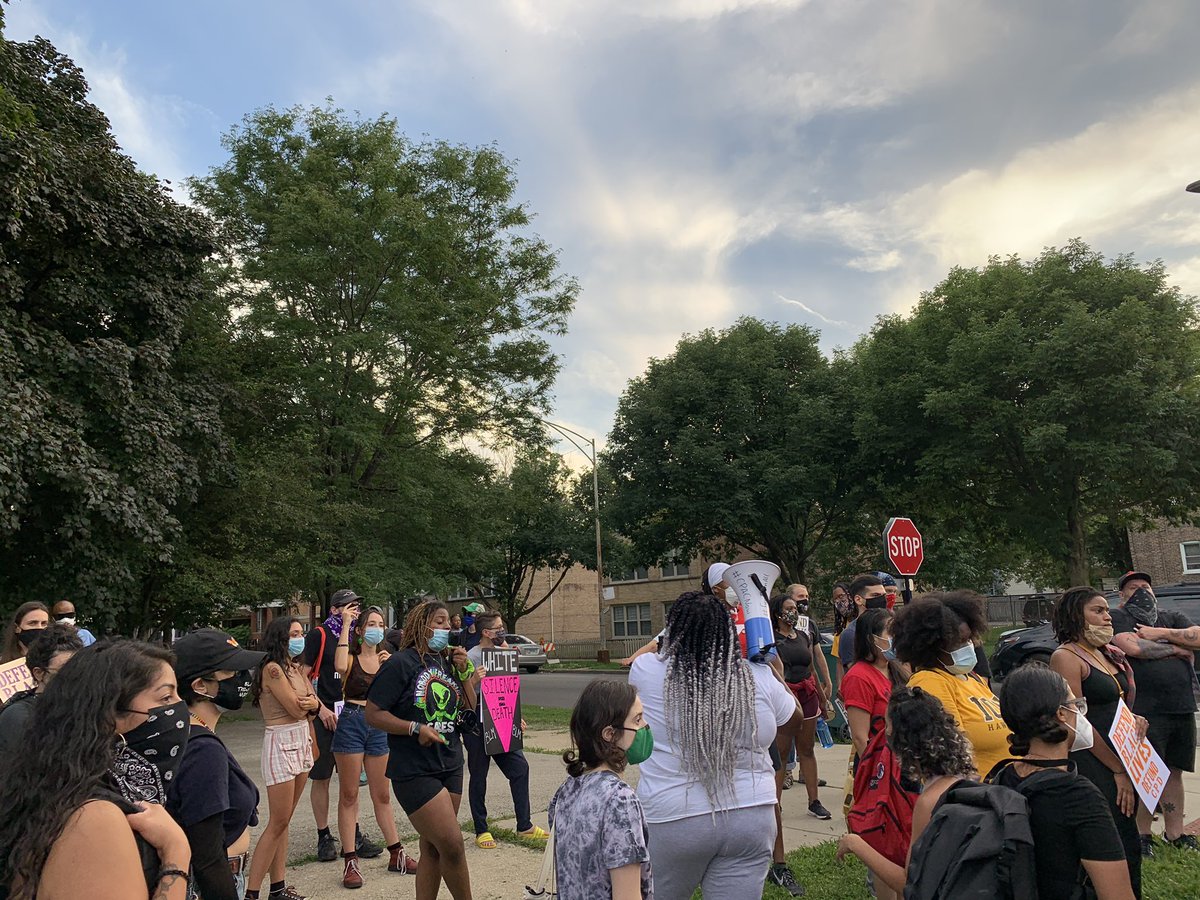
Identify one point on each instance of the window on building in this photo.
(676, 567)
(1190, 553)
(638, 573)
(667, 611)
(467, 592)
(631, 620)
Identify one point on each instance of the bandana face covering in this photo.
(1142, 607)
(159, 741)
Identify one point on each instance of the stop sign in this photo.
(904, 546)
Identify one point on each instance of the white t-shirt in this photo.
(666, 792)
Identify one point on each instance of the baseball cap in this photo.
(474, 608)
(342, 598)
(885, 579)
(209, 650)
(1129, 576)
(716, 572)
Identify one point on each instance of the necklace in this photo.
(1103, 667)
(196, 720)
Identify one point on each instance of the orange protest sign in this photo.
(1146, 769)
(14, 678)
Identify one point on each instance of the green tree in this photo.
(740, 440)
(393, 304)
(106, 429)
(1031, 403)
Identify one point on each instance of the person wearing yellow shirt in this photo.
(936, 635)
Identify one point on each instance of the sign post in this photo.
(500, 701)
(905, 550)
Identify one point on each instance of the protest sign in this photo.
(14, 678)
(1146, 769)
(500, 701)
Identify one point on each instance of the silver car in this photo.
(530, 655)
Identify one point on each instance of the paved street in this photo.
(559, 689)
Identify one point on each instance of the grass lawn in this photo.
(546, 717)
(992, 636)
(586, 665)
(1171, 875)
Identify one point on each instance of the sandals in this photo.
(485, 841)
(536, 833)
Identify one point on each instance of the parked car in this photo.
(530, 655)
(1023, 645)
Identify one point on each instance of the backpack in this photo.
(882, 810)
(978, 844)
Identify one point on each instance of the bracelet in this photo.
(467, 672)
(414, 728)
(166, 873)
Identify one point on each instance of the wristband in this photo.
(465, 673)
(414, 728)
(165, 873)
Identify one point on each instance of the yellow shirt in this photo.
(975, 709)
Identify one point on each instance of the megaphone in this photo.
(752, 580)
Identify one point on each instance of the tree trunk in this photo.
(1078, 569)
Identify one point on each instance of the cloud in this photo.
(811, 311)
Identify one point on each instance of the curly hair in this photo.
(925, 737)
(54, 640)
(932, 625)
(1067, 617)
(275, 643)
(708, 691)
(416, 624)
(1029, 702)
(12, 647)
(68, 747)
(604, 703)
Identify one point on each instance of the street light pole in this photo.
(567, 432)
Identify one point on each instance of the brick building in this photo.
(1168, 554)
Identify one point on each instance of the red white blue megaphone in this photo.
(752, 580)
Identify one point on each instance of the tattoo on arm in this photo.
(163, 889)
(1154, 650)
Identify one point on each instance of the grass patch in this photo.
(546, 717)
(586, 665)
(1171, 875)
(992, 636)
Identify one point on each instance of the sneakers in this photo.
(781, 875)
(401, 862)
(1185, 842)
(364, 847)
(288, 893)
(535, 833)
(1147, 846)
(352, 876)
(327, 848)
(788, 780)
(816, 809)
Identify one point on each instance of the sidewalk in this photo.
(501, 874)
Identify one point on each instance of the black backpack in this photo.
(978, 844)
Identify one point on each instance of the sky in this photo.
(694, 161)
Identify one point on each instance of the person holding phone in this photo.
(422, 696)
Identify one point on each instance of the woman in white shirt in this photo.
(708, 790)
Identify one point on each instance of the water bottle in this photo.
(823, 734)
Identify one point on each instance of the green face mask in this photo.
(641, 748)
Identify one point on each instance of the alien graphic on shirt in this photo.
(438, 697)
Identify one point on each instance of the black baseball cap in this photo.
(208, 650)
(1129, 576)
(342, 598)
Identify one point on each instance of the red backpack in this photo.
(883, 809)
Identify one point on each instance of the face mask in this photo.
(1084, 736)
(373, 636)
(802, 609)
(791, 618)
(440, 639)
(843, 607)
(1098, 635)
(963, 660)
(468, 621)
(295, 646)
(1142, 607)
(65, 620)
(641, 748)
(29, 635)
(879, 602)
(161, 738)
(731, 597)
(886, 651)
(231, 693)
(500, 637)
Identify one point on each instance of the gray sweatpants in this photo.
(727, 855)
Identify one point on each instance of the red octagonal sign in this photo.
(904, 546)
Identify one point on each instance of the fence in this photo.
(617, 649)
(1017, 609)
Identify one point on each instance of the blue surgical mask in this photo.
(963, 660)
(373, 636)
(295, 646)
(887, 651)
(440, 640)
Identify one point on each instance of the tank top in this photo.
(1102, 693)
(358, 682)
(273, 712)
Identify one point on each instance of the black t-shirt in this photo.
(1070, 821)
(1162, 686)
(425, 690)
(210, 781)
(329, 679)
(14, 719)
(796, 654)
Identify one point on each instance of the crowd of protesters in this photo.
(112, 764)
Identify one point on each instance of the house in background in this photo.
(1169, 554)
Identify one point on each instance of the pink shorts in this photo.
(287, 752)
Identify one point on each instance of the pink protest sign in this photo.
(14, 678)
(500, 694)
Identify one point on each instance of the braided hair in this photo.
(417, 627)
(925, 737)
(1029, 702)
(708, 690)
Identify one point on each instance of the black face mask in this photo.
(29, 635)
(879, 602)
(231, 693)
(1142, 607)
(161, 738)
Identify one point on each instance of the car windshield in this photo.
(518, 639)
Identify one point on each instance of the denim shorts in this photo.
(354, 735)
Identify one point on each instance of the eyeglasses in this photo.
(1079, 704)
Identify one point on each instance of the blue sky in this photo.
(698, 160)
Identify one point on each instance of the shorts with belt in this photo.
(287, 752)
